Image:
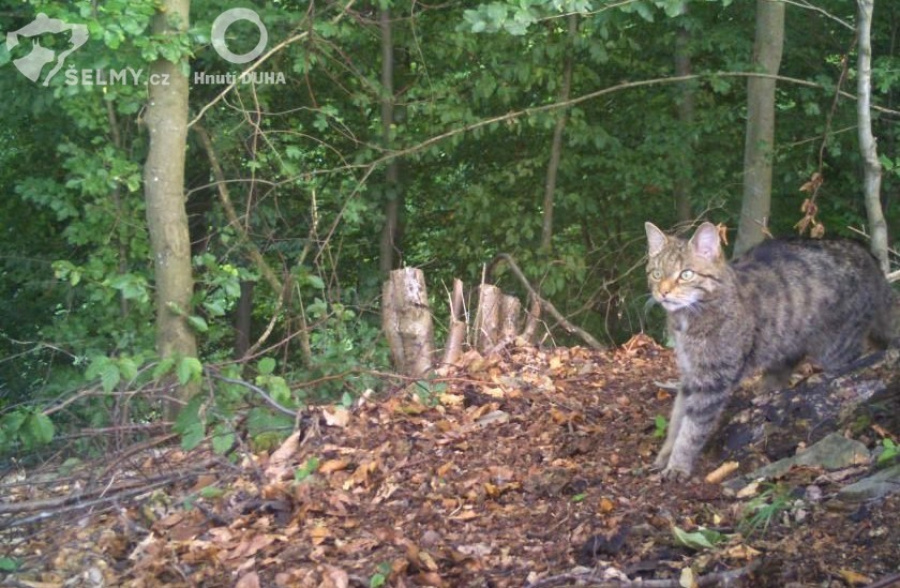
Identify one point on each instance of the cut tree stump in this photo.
(406, 321)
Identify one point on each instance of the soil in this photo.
(526, 469)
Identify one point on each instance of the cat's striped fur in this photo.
(782, 301)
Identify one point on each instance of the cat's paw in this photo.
(674, 473)
(660, 462)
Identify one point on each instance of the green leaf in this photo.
(266, 366)
(110, 377)
(700, 539)
(211, 492)
(198, 323)
(215, 307)
(189, 368)
(307, 469)
(223, 439)
(163, 368)
(8, 564)
(192, 435)
(128, 368)
(40, 428)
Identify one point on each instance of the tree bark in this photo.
(391, 234)
(867, 142)
(556, 146)
(167, 219)
(456, 338)
(760, 135)
(406, 321)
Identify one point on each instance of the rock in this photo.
(833, 452)
(874, 487)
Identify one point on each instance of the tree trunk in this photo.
(556, 146)
(685, 171)
(391, 234)
(167, 219)
(243, 319)
(760, 136)
(867, 143)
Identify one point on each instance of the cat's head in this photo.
(682, 272)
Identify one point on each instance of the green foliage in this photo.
(306, 470)
(700, 539)
(889, 452)
(380, 577)
(660, 426)
(760, 511)
(429, 392)
(25, 429)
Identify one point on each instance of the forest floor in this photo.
(530, 469)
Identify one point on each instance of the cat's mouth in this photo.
(673, 304)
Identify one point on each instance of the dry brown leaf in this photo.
(333, 465)
(335, 578)
(281, 461)
(336, 417)
(854, 578)
(319, 534)
(249, 580)
(720, 473)
(741, 552)
(466, 515)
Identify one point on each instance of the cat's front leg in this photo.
(699, 409)
(662, 458)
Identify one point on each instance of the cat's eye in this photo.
(656, 274)
(687, 275)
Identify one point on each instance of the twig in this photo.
(545, 304)
(64, 503)
(892, 580)
(259, 391)
(592, 579)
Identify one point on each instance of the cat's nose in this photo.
(666, 286)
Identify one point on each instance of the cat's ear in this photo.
(656, 239)
(705, 242)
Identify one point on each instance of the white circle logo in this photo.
(225, 20)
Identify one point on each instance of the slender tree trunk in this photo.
(760, 137)
(164, 193)
(556, 146)
(867, 142)
(685, 156)
(392, 232)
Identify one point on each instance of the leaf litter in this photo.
(530, 468)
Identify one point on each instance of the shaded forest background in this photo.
(385, 135)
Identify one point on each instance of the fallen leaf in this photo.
(281, 460)
(751, 489)
(333, 465)
(854, 578)
(720, 473)
(338, 417)
(687, 579)
(335, 578)
(250, 580)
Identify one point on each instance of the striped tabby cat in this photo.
(782, 301)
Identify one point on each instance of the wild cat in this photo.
(780, 302)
